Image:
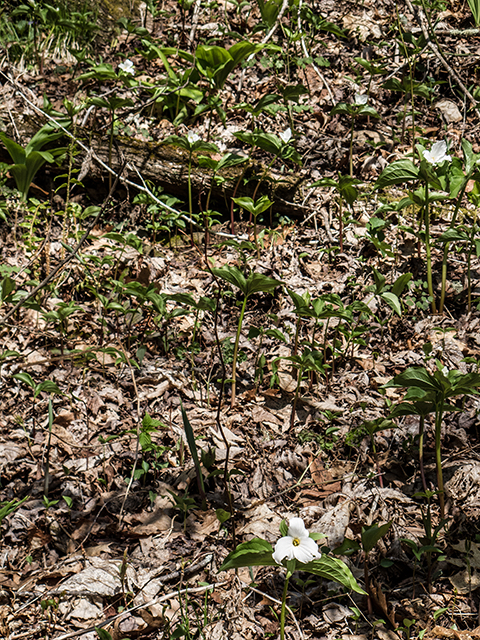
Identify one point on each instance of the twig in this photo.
(68, 258)
(137, 447)
(305, 53)
(105, 166)
(163, 598)
(431, 45)
(265, 595)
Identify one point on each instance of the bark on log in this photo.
(167, 167)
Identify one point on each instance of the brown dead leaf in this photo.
(452, 634)
(380, 604)
(324, 478)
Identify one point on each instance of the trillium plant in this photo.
(438, 178)
(296, 550)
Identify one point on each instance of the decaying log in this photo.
(167, 167)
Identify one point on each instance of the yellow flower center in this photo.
(296, 542)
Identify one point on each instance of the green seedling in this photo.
(28, 161)
(345, 187)
(299, 542)
(184, 504)
(112, 104)
(475, 9)
(192, 445)
(310, 361)
(390, 295)
(254, 283)
(255, 209)
(435, 388)
(59, 317)
(192, 143)
(215, 64)
(6, 508)
(358, 108)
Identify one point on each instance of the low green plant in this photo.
(357, 108)
(347, 191)
(29, 160)
(255, 208)
(296, 550)
(253, 283)
(426, 391)
(475, 9)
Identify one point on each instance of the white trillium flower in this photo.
(192, 137)
(127, 67)
(286, 135)
(297, 544)
(361, 99)
(437, 154)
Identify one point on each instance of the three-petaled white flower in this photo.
(297, 544)
(361, 99)
(192, 137)
(127, 67)
(286, 135)
(437, 154)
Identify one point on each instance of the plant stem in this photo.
(421, 428)
(438, 459)
(426, 213)
(284, 603)
(351, 147)
(235, 351)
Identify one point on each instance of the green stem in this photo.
(235, 351)
(351, 147)
(190, 193)
(426, 213)
(438, 459)
(284, 607)
(447, 244)
(421, 428)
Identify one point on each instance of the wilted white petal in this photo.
(361, 98)
(286, 135)
(127, 67)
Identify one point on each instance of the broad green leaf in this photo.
(414, 377)
(258, 283)
(255, 553)
(48, 387)
(233, 275)
(25, 377)
(392, 301)
(16, 152)
(332, 569)
(400, 283)
(371, 535)
(397, 173)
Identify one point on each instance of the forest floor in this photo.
(96, 367)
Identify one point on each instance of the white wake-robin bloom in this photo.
(437, 154)
(286, 135)
(361, 99)
(297, 544)
(192, 137)
(127, 67)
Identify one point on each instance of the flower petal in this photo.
(297, 529)
(284, 549)
(306, 551)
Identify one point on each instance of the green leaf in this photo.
(400, 283)
(371, 535)
(25, 377)
(392, 301)
(332, 569)
(255, 553)
(397, 173)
